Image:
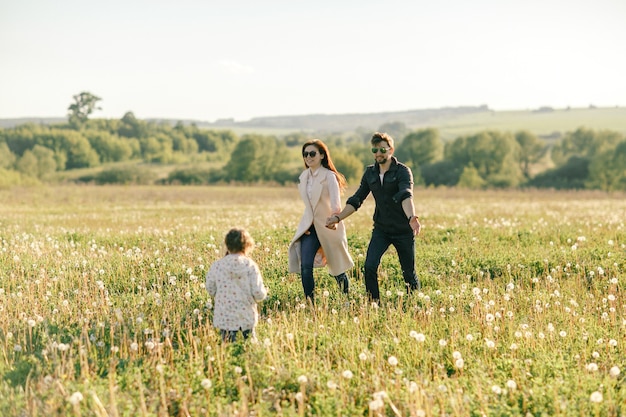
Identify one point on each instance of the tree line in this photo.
(124, 148)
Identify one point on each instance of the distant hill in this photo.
(351, 121)
(452, 122)
(5, 123)
(309, 122)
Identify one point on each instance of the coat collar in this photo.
(318, 179)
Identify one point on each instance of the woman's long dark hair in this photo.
(327, 161)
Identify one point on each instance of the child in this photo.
(236, 285)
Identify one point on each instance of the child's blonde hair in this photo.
(238, 241)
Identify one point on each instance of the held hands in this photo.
(331, 222)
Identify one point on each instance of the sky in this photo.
(207, 60)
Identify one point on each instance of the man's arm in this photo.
(352, 204)
(409, 211)
(336, 218)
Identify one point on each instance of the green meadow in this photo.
(103, 310)
(547, 124)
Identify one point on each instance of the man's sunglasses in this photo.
(382, 150)
(311, 154)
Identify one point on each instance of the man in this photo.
(395, 222)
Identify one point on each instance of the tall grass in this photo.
(103, 310)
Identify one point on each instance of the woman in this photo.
(315, 245)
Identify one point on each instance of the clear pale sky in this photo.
(205, 60)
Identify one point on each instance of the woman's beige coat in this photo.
(323, 204)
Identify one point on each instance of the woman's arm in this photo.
(334, 192)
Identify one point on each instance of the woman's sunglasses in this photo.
(382, 150)
(311, 154)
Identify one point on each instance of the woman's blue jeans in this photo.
(309, 245)
(405, 247)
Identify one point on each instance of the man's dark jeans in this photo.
(405, 247)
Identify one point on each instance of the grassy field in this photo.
(559, 121)
(103, 310)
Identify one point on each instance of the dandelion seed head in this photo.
(380, 394)
(75, 398)
(376, 404)
(614, 371)
(596, 397)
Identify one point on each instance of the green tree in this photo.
(531, 149)
(156, 149)
(46, 164)
(569, 176)
(295, 139)
(131, 127)
(256, 158)
(470, 178)
(421, 147)
(607, 170)
(583, 143)
(84, 104)
(349, 165)
(492, 155)
(27, 164)
(7, 158)
(72, 149)
(110, 148)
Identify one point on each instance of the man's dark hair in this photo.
(380, 137)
